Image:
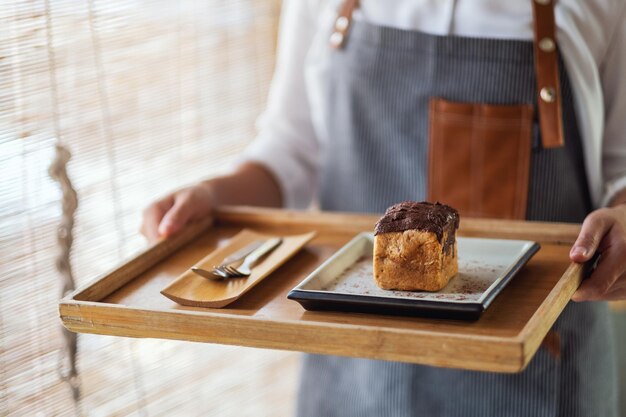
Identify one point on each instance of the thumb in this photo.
(593, 229)
(175, 218)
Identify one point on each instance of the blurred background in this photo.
(148, 96)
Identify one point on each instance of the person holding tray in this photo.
(500, 109)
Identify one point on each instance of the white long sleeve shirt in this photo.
(591, 35)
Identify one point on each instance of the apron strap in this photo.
(547, 73)
(546, 65)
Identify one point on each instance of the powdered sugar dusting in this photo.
(469, 285)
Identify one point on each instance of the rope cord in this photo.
(69, 202)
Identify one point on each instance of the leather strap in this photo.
(546, 71)
(342, 23)
(546, 65)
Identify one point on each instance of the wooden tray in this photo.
(127, 302)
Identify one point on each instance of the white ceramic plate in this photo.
(345, 281)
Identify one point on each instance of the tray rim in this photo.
(80, 313)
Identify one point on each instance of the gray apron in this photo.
(377, 117)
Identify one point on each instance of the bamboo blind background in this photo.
(149, 95)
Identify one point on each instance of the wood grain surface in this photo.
(193, 290)
(504, 339)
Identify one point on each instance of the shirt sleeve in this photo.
(614, 89)
(286, 143)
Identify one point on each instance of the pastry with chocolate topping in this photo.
(414, 247)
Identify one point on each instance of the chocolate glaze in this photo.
(436, 218)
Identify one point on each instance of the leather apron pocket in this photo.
(479, 157)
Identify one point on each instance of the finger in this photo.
(616, 295)
(152, 216)
(177, 217)
(618, 289)
(610, 268)
(593, 229)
